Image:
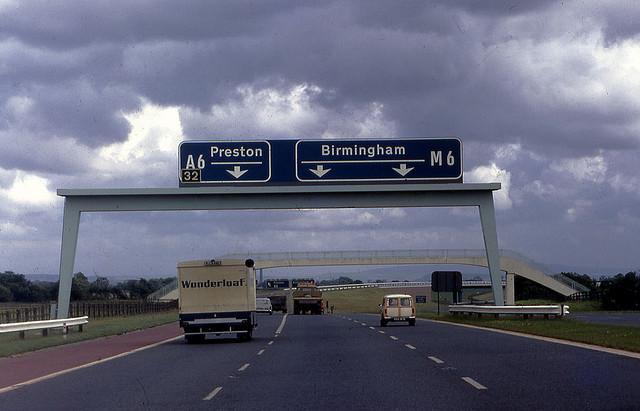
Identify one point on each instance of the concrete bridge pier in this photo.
(510, 289)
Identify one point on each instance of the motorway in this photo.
(336, 362)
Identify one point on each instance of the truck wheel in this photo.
(383, 322)
(194, 339)
(412, 322)
(246, 336)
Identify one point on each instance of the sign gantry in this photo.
(297, 174)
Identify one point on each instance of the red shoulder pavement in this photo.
(38, 364)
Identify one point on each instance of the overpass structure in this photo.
(510, 262)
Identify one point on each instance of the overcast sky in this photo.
(545, 96)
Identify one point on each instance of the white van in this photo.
(397, 307)
(263, 305)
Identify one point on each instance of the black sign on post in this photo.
(421, 299)
(446, 282)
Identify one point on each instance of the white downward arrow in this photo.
(319, 170)
(236, 172)
(403, 170)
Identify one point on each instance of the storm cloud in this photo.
(544, 96)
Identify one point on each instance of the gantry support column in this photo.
(490, 234)
(70, 226)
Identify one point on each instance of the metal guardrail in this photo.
(44, 325)
(524, 310)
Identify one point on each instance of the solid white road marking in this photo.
(436, 360)
(79, 367)
(279, 330)
(212, 394)
(270, 342)
(410, 346)
(244, 367)
(393, 338)
(260, 352)
(474, 383)
(381, 332)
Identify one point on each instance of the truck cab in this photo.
(397, 307)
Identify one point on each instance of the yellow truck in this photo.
(216, 298)
(307, 298)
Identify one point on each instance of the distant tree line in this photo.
(17, 288)
(339, 281)
(620, 292)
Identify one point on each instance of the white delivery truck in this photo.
(217, 297)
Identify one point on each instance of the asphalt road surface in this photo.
(336, 362)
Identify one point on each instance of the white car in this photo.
(397, 307)
(263, 305)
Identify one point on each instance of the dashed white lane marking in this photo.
(393, 338)
(436, 360)
(79, 367)
(372, 328)
(244, 367)
(411, 347)
(270, 342)
(260, 352)
(279, 330)
(381, 332)
(212, 394)
(474, 383)
(364, 324)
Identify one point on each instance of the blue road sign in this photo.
(287, 162)
(220, 162)
(416, 159)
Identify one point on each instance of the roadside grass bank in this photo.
(11, 343)
(366, 300)
(611, 336)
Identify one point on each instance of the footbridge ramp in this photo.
(510, 262)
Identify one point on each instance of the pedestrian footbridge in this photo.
(511, 263)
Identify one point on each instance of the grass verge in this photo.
(11, 343)
(366, 300)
